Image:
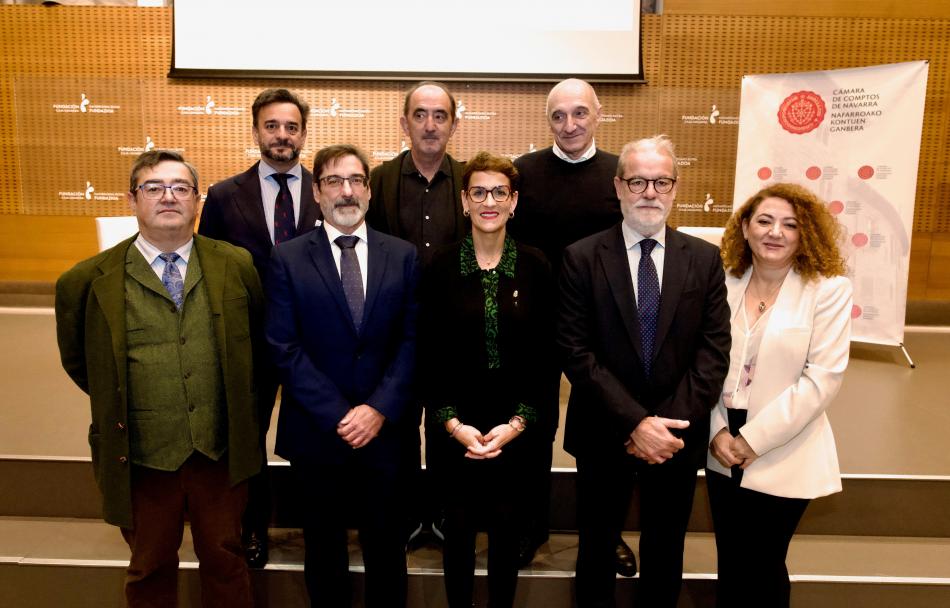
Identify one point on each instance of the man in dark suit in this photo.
(269, 203)
(644, 328)
(341, 323)
(248, 209)
(143, 328)
(417, 197)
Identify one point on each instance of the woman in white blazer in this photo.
(771, 446)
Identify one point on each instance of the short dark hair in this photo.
(334, 153)
(147, 160)
(428, 83)
(269, 96)
(485, 161)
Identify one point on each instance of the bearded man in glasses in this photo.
(341, 324)
(164, 333)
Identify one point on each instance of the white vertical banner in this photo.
(853, 137)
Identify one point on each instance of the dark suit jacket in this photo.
(234, 212)
(90, 329)
(325, 367)
(383, 214)
(599, 334)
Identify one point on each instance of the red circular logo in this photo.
(866, 172)
(860, 239)
(764, 173)
(813, 172)
(835, 207)
(801, 112)
(856, 311)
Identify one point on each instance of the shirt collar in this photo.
(264, 170)
(631, 237)
(333, 233)
(587, 155)
(468, 262)
(409, 166)
(151, 252)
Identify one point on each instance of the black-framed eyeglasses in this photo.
(154, 191)
(638, 185)
(336, 181)
(478, 194)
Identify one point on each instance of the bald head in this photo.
(573, 111)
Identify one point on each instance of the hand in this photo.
(497, 437)
(469, 436)
(652, 440)
(744, 451)
(360, 425)
(722, 448)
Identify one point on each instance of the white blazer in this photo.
(798, 372)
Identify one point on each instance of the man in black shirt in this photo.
(417, 197)
(566, 194)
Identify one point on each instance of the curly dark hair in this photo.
(820, 234)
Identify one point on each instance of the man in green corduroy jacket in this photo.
(162, 332)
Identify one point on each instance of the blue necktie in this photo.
(285, 228)
(351, 276)
(171, 278)
(648, 305)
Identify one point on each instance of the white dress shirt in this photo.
(362, 251)
(631, 240)
(151, 252)
(587, 155)
(270, 188)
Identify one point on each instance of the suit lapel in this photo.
(323, 261)
(109, 291)
(251, 206)
(676, 264)
(376, 264)
(213, 267)
(616, 267)
(390, 193)
(309, 209)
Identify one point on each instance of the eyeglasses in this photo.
(478, 194)
(638, 185)
(292, 128)
(357, 182)
(154, 191)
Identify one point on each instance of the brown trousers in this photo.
(160, 500)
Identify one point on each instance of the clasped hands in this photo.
(481, 446)
(652, 440)
(360, 425)
(730, 451)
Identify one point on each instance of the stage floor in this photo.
(888, 419)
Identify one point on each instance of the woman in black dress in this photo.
(488, 319)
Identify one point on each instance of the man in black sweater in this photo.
(566, 193)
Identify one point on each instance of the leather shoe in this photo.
(527, 547)
(255, 550)
(626, 560)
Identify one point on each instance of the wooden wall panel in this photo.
(54, 156)
(891, 9)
